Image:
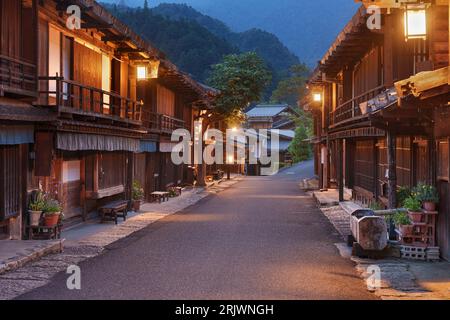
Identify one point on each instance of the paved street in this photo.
(260, 239)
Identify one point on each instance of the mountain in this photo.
(305, 27)
(265, 44)
(187, 44)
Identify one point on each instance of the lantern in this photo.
(154, 69)
(415, 22)
(317, 97)
(148, 71)
(141, 72)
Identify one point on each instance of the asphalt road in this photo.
(260, 239)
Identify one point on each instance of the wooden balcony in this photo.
(17, 77)
(351, 109)
(70, 97)
(161, 123)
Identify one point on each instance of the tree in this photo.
(241, 79)
(291, 89)
(300, 148)
(146, 5)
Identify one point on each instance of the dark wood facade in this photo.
(75, 121)
(371, 138)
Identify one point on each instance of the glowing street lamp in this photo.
(141, 72)
(148, 71)
(415, 22)
(317, 97)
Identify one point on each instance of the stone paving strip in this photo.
(38, 273)
(397, 280)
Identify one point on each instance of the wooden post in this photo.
(340, 170)
(130, 177)
(392, 165)
(83, 187)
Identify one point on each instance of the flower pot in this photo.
(406, 230)
(35, 216)
(137, 205)
(415, 216)
(429, 206)
(51, 220)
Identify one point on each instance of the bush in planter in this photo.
(403, 221)
(428, 195)
(52, 212)
(36, 207)
(414, 207)
(137, 195)
(375, 206)
(403, 193)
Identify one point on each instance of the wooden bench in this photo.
(113, 210)
(160, 196)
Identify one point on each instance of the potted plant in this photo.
(414, 207)
(428, 195)
(36, 207)
(403, 193)
(52, 213)
(137, 196)
(403, 222)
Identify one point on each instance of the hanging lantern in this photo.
(141, 72)
(415, 22)
(317, 97)
(154, 69)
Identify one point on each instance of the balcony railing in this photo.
(72, 97)
(351, 109)
(160, 123)
(17, 77)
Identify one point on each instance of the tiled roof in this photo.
(263, 110)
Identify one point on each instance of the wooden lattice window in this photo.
(443, 160)
(364, 165)
(10, 186)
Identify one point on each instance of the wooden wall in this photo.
(166, 101)
(10, 28)
(367, 73)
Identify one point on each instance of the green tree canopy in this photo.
(241, 78)
(292, 88)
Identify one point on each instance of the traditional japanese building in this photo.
(86, 108)
(379, 98)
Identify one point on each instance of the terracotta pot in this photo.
(415, 216)
(406, 230)
(35, 216)
(429, 206)
(51, 220)
(136, 205)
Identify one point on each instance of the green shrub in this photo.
(138, 191)
(52, 206)
(401, 218)
(426, 193)
(38, 202)
(403, 193)
(412, 204)
(375, 206)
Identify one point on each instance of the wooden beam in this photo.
(340, 170)
(392, 169)
(115, 38)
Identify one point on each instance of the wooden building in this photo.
(77, 119)
(374, 131)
